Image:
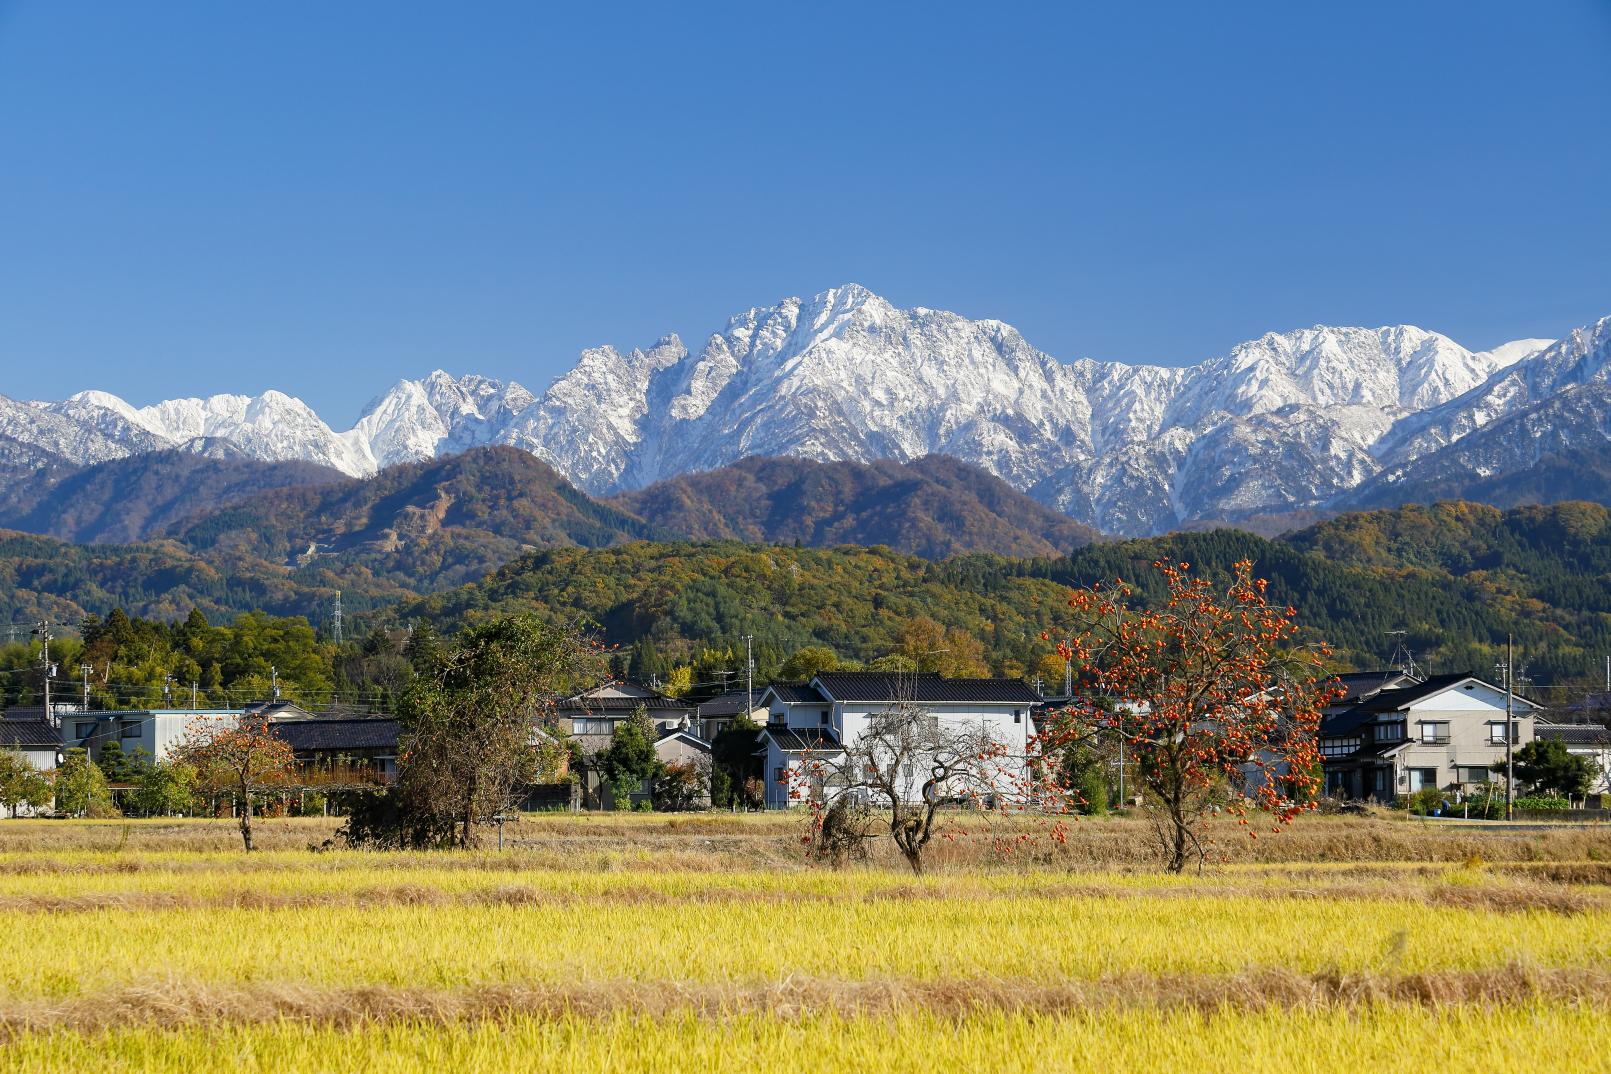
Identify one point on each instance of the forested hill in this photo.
(43, 578)
(933, 507)
(142, 496)
(1456, 578)
(423, 526)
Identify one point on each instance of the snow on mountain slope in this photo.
(421, 419)
(590, 421)
(1286, 421)
(1576, 417)
(1582, 357)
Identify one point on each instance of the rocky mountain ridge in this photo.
(1289, 422)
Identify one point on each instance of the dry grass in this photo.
(612, 943)
(718, 841)
(292, 882)
(1388, 1036)
(175, 1005)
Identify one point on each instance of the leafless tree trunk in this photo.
(964, 764)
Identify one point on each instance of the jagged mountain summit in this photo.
(1287, 422)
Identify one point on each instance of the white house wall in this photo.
(43, 759)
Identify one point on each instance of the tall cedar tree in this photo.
(469, 723)
(1216, 708)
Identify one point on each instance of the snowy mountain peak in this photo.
(1284, 421)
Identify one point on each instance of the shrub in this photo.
(679, 786)
(1427, 801)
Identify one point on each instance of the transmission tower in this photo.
(1402, 658)
(335, 619)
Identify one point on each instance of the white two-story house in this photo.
(156, 732)
(817, 717)
(1393, 734)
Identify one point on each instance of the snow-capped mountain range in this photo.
(1289, 421)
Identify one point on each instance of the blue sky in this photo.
(323, 197)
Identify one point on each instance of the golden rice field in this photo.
(705, 944)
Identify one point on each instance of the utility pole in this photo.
(1068, 676)
(1510, 734)
(274, 680)
(1122, 801)
(749, 676)
(86, 669)
(43, 630)
(167, 690)
(335, 628)
(192, 695)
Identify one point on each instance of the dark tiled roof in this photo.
(1575, 734)
(686, 736)
(729, 704)
(1392, 700)
(1366, 683)
(21, 734)
(801, 739)
(924, 688)
(796, 693)
(1369, 752)
(581, 706)
(357, 733)
(1349, 721)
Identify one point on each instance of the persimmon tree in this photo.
(1215, 703)
(242, 758)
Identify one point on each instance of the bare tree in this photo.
(907, 763)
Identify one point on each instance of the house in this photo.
(681, 745)
(815, 717)
(590, 718)
(716, 715)
(339, 749)
(37, 739)
(155, 731)
(1392, 734)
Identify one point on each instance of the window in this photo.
(1390, 732)
(1338, 747)
(1434, 731)
(780, 774)
(129, 729)
(1381, 781)
(1421, 778)
(1472, 774)
(825, 719)
(908, 772)
(1017, 715)
(592, 727)
(1496, 733)
(83, 730)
